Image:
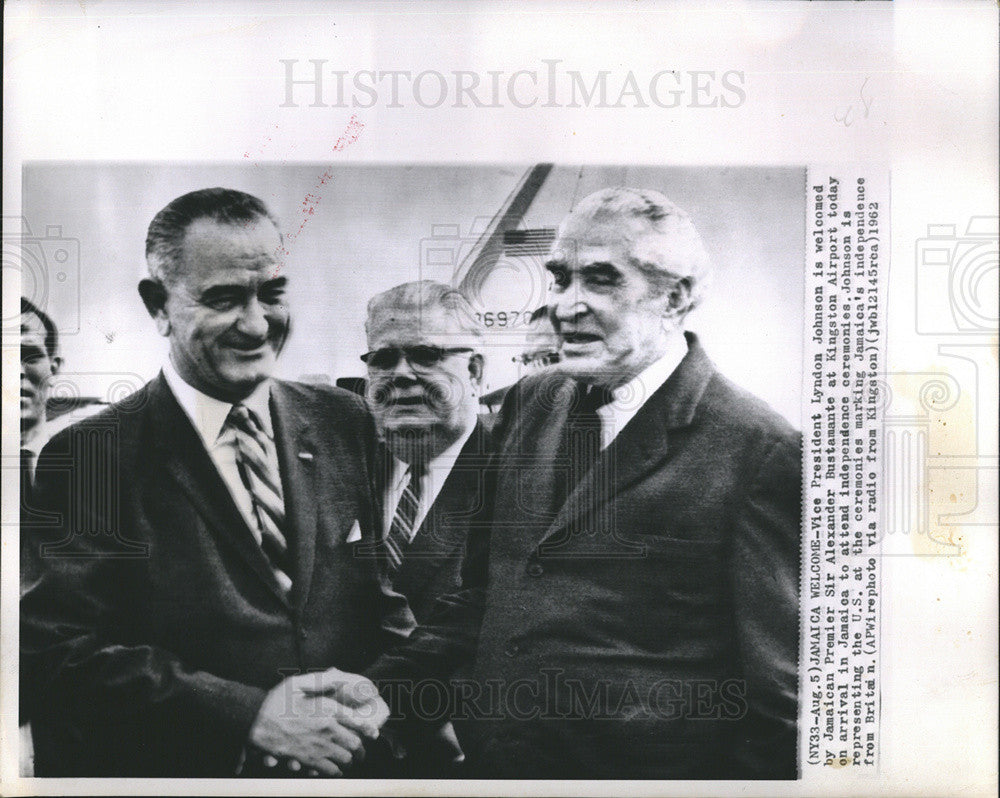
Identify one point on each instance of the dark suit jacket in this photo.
(648, 628)
(156, 625)
(432, 563)
(431, 568)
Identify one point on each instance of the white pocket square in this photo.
(355, 534)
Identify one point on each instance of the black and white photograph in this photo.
(493, 511)
(528, 398)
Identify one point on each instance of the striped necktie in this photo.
(401, 529)
(255, 455)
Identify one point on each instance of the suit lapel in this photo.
(297, 457)
(182, 454)
(442, 531)
(643, 444)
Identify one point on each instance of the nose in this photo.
(566, 305)
(253, 321)
(403, 368)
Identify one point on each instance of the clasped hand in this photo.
(320, 720)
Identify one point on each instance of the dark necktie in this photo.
(27, 480)
(255, 454)
(401, 529)
(582, 442)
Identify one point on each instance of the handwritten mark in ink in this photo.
(847, 118)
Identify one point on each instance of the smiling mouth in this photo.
(255, 349)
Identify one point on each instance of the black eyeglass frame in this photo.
(432, 355)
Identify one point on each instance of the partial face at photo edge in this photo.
(225, 312)
(37, 369)
(415, 401)
(611, 320)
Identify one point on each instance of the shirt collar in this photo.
(38, 438)
(649, 380)
(207, 414)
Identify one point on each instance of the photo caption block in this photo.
(846, 263)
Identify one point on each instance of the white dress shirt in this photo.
(632, 395)
(208, 416)
(431, 483)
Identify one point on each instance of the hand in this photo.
(449, 744)
(358, 693)
(318, 719)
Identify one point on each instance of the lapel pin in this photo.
(305, 456)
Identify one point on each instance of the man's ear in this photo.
(476, 369)
(56, 364)
(678, 302)
(154, 297)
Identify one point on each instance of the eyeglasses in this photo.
(423, 357)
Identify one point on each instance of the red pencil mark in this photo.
(354, 128)
(263, 147)
(312, 199)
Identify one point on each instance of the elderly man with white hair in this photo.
(633, 611)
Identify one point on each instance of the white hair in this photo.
(664, 243)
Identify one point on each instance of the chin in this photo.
(257, 363)
(405, 441)
(407, 427)
(244, 374)
(243, 383)
(580, 365)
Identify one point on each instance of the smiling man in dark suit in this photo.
(425, 370)
(200, 602)
(633, 612)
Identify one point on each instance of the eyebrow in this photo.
(276, 282)
(223, 288)
(600, 268)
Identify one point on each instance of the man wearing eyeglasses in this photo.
(633, 611)
(425, 369)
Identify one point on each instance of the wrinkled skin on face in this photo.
(421, 411)
(225, 312)
(612, 322)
